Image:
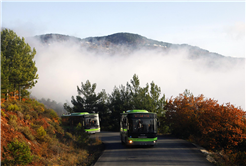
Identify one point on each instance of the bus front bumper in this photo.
(93, 130)
(132, 141)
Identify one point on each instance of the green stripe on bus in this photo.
(79, 113)
(92, 129)
(137, 111)
(142, 139)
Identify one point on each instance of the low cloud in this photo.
(62, 67)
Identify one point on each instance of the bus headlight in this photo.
(154, 142)
(130, 141)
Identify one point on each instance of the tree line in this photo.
(52, 104)
(122, 98)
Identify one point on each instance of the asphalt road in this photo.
(169, 151)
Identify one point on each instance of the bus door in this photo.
(125, 125)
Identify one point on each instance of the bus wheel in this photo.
(122, 142)
(126, 143)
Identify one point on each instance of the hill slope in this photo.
(35, 133)
(127, 43)
(131, 42)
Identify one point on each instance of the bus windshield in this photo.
(142, 126)
(91, 122)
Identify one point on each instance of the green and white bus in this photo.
(138, 127)
(90, 121)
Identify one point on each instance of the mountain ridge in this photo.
(132, 42)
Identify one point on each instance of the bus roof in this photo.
(137, 111)
(128, 112)
(77, 114)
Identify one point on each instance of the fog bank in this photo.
(62, 67)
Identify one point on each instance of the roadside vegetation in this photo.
(31, 134)
(221, 129)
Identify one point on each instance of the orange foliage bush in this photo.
(210, 124)
(223, 127)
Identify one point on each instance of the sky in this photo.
(214, 26)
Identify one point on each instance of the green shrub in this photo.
(50, 130)
(34, 114)
(41, 132)
(34, 126)
(25, 109)
(42, 135)
(18, 153)
(82, 136)
(39, 122)
(35, 103)
(50, 113)
(6, 105)
(47, 139)
(26, 131)
(13, 107)
(57, 127)
(27, 117)
(53, 114)
(39, 109)
(68, 136)
(163, 129)
(2, 113)
(12, 121)
(2, 105)
(28, 101)
(13, 117)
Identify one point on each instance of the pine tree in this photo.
(18, 70)
(87, 100)
(3, 79)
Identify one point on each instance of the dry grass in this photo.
(56, 147)
(67, 155)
